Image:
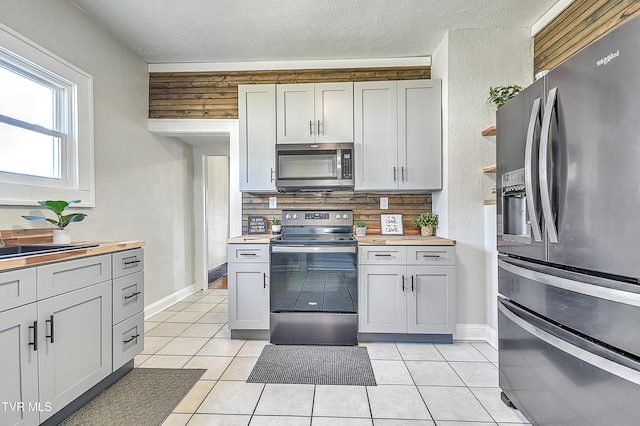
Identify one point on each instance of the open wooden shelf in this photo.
(489, 131)
(489, 169)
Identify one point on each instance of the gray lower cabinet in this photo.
(74, 351)
(407, 289)
(58, 334)
(248, 282)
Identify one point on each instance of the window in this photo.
(46, 125)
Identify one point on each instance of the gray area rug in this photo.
(318, 365)
(143, 397)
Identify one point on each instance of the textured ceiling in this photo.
(165, 31)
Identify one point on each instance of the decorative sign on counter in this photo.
(256, 225)
(391, 224)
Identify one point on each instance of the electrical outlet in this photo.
(273, 202)
(384, 203)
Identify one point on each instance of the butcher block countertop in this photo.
(376, 240)
(37, 259)
(252, 239)
(404, 240)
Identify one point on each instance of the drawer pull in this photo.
(130, 263)
(35, 335)
(132, 295)
(248, 254)
(50, 336)
(132, 338)
(431, 256)
(382, 255)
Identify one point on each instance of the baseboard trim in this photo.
(216, 273)
(475, 333)
(164, 303)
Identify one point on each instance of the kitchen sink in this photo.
(24, 250)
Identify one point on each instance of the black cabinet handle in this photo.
(132, 338)
(264, 280)
(411, 282)
(132, 295)
(50, 336)
(35, 335)
(129, 263)
(403, 283)
(383, 255)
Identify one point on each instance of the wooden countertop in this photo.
(37, 259)
(378, 240)
(404, 240)
(252, 239)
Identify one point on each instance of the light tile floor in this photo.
(418, 384)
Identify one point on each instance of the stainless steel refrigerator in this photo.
(568, 185)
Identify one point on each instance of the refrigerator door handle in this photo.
(528, 172)
(544, 181)
(576, 286)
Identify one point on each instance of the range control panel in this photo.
(317, 217)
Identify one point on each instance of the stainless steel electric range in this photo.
(314, 279)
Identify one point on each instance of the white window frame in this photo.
(77, 173)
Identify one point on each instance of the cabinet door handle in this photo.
(403, 283)
(402, 170)
(412, 283)
(50, 336)
(272, 174)
(394, 174)
(264, 280)
(319, 128)
(310, 127)
(35, 335)
(132, 338)
(132, 295)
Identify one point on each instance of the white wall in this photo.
(217, 210)
(143, 182)
(469, 61)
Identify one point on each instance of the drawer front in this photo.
(127, 262)
(17, 288)
(58, 278)
(248, 253)
(380, 255)
(128, 296)
(128, 340)
(431, 255)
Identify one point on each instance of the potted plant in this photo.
(426, 221)
(500, 95)
(276, 227)
(361, 228)
(60, 235)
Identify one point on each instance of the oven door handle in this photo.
(313, 249)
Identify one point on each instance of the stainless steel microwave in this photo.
(314, 167)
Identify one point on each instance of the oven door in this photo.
(314, 294)
(311, 278)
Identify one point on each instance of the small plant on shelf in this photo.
(276, 227)
(500, 95)
(275, 221)
(426, 221)
(361, 228)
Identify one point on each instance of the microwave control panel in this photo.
(347, 165)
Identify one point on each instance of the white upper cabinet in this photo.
(376, 135)
(314, 113)
(257, 117)
(398, 135)
(419, 137)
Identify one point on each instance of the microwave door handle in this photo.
(528, 172)
(545, 195)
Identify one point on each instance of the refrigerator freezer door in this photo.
(518, 125)
(557, 378)
(595, 156)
